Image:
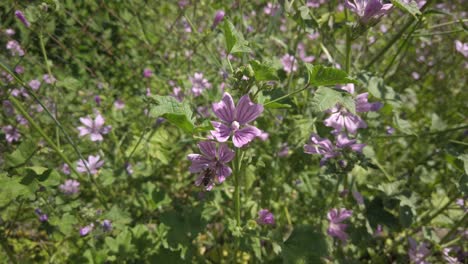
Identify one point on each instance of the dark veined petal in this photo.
(225, 109)
(246, 111)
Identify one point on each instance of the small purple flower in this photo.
(119, 104)
(321, 146)
(42, 217)
(19, 69)
(284, 151)
(461, 47)
(211, 164)
(22, 18)
(34, 84)
(98, 100)
(93, 163)
(378, 231)
(106, 225)
(389, 130)
(178, 93)
(335, 227)
(50, 79)
(11, 134)
(289, 63)
(271, 9)
(129, 168)
(450, 255)
(418, 253)
(94, 128)
(15, 48)
(9, 32)
(362, 105)
(302, 54)
(147, 73)
(341, 119)
(70, 187)
(358, 197)
(234, 117)
(199, 84)
(342, 141)
(368, 11)
(84, 231)
(66, 169)
(218, 18)
(265, 217)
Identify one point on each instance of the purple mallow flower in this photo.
(461, 47)
(336, 228)
(119, 104)
(342, 141)
(94, 128)
(211, 164)
(450, 255)
(84, 231)
(147, 73)
(22, 18)
(199, 84)
(9, 32)
(42, 217)
(218, 18)
(418, 253)
(34, 84)
(341, 119)
(235, 117)
(321, 146)
(368, 11)
(70, 187)
(11, 134)
(106, 225)
(271, 9)
(93, 163)
(265, 217)
(289, 63)
(15, 48)
(50, 79)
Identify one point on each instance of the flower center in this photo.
(235, 125)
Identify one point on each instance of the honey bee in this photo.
(208, 176)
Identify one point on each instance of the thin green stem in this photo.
(454, 229)
(439, 33)
(237, 162)
(348, 46)
(287, 95)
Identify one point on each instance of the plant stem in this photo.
(348, 46)
(454, 229)
(287, 95)
(237, 166)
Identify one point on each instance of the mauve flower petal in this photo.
(225, 154)
(208, 148)
(221, 132)
(246, 111)
(199, 162)
(99, 121)
(86, 121)
(225, 109)
(245, 135)
(83, 131)
(96, 137)
(222, 172)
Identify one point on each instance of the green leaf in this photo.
(263, 71)
(235, 42)
(305, 245)
(410, 8)
(10, 189)
(178, 114)
(320, 75)
(277, 105)
(326, 98)
(403, 125)
(25, 150)
(464, 158)
(437, 124)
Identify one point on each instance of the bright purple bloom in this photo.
(265, 217)
(321, 146)
(418, 253)
(199, 84)
(336, 228)
(93, 163)
(461, 47)
(11, 134)
(42, 217)
(211, 164)
(94, 128)
(235, 117)
(50, 79)
(362, 105)
(70, 187)
(86, 230)
(147, 73)
(369, 11)
(342, 141)
(98, 100)
(289, 63)
(34, 84)
(15, 48)
(218, 18)
(106, 225)
(341, 119)
(22, 18)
